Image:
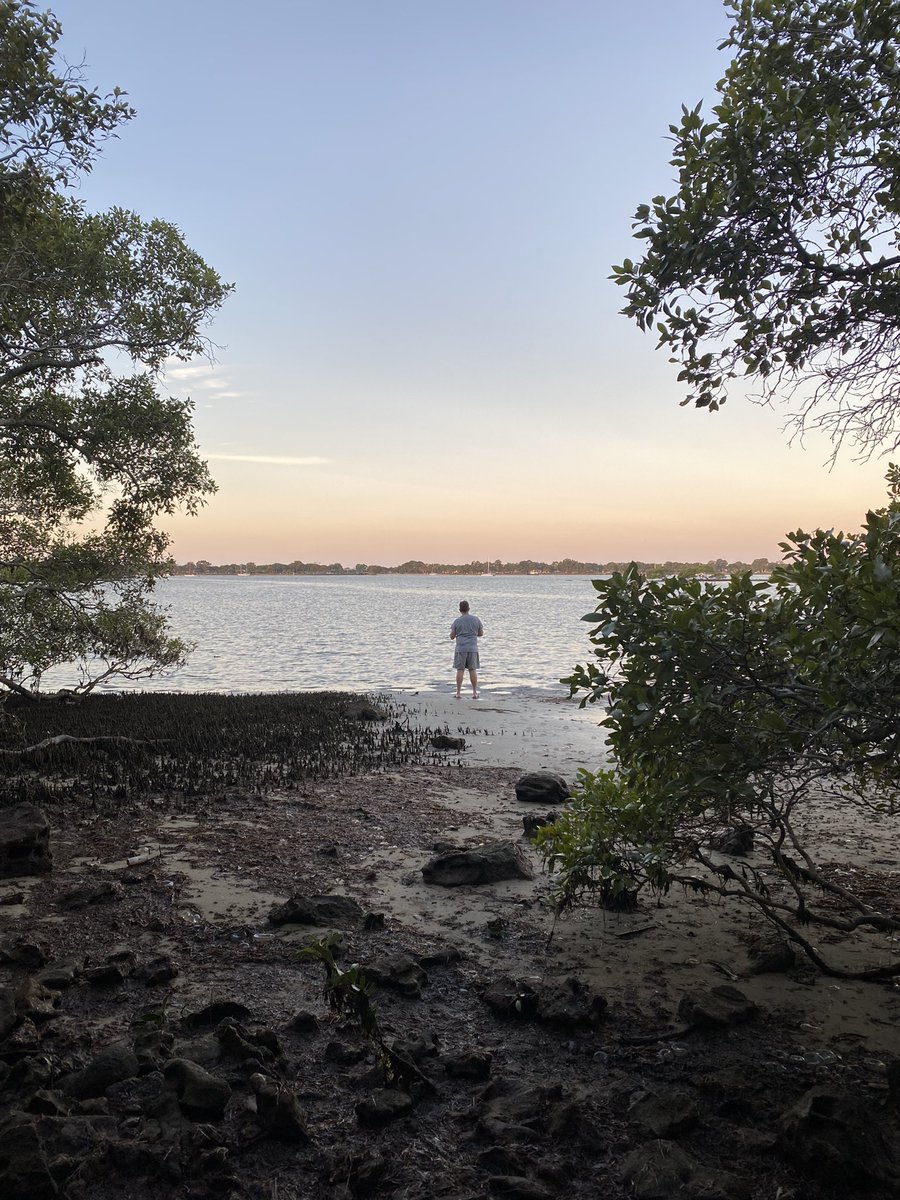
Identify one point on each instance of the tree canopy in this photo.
(92, 452)
(778, 257)
(745, 706)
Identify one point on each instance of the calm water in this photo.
(368, 633)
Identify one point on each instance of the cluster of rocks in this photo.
(179, 1102)
(499, 859)
(197, 1103)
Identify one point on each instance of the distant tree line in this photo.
(566, 566)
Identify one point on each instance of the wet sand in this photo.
(534, 731)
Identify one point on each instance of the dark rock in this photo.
(531, 822)
(518, 1187)
(214, 1162)
(772, 955)
(838, 1137)
(511, 998)
(124, 957)
(47, 1103)
(441, 741)
(218, 1010)
(97, 1106)
(443, 957)
(665, 1114)
(398, 972)
(317, 910)
(9, 1016)
(136, 1160)
(84, 897)
(416, 1049)
(732, 1093)
(63, 1166)
(383, 1106)
(77, 1134)
(151, 1046)
(373, 922)
(234, 1041)
(205, 1051)
(23, 953)
(469, 1064)
(157, 970)
(267, 1039)
(718, 1008)
(661, 1170)
(504, 1160)
(365, 712)
(29, 1074)
(201, 1096)
(279, 1111)
(737, 842)
(754, 1141)
(362, 1173)
(36, 1002)
(657, 1170)
(24, 1171)
(480, 864)
(345, 1053)
(304, 1022)
(24, 842)
(114, 1063)
(541, 787)
(570, 1005)
(512, 1112)
(23, 1041)
(107, 975)
(61, 973)
(8, 899)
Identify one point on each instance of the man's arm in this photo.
(452, 631)
(480, 629)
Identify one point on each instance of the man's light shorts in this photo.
(466, 659)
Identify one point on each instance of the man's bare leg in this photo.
(459, 679)
(473, 677)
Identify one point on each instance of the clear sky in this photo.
(419, 202)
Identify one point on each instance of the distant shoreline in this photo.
(714, 570)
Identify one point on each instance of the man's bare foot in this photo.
(459, 695)
(474, 695)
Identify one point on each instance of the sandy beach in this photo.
(554, 1055)
(532, 731)
(684, 939)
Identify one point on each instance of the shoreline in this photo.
(527, 731)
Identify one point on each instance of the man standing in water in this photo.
(465, 631)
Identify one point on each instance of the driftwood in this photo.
(65, 738)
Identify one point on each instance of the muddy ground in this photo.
(169, 1040)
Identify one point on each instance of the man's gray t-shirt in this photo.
(467, 628)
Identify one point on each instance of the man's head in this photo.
(463, 606)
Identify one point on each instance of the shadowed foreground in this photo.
(164, 1035)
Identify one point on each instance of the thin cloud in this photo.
(274, 460)
(202, 376)
(196, 372)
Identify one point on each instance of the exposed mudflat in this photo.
(517, 1081)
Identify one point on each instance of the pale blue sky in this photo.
(419, 203)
